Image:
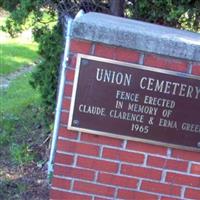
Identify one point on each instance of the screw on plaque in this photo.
(76, 122)
(198, 144)
(84, 62)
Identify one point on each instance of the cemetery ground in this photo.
(24, 138)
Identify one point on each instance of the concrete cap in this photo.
(137, 35)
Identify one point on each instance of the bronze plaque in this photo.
(136, 102)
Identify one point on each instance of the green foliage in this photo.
(9, 5)
(183, 14)
(45, 78)
(24, 14)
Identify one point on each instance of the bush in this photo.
(45, 78)
(184, 14)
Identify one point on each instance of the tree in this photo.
(184, 14)
(47, 21)
(117, 7)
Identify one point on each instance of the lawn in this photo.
(22, 147)
(22, 129)
(18, 96)
(15, 56)
(16, 53)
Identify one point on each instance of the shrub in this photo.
(45, 78)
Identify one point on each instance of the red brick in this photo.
(127, 55)
(125, 156)
(165, 62)
(105, 51)
(64, 132)
(64, 159)
(117, 180)
(183, 179)
(161, 188)
(135, 195)
(64, 117)
(78, 46)
(91, 188)
(138, 146)
(55, 195)
(96, 164)
(75, 147)
(196, 69)
(192, 193)
(70, 75)
(101, 140)
(66, 104)
(195, 169)
(61, 183)
(68, 90)
(72, 61)
(74, 172)
(141, 172)
(186, 155)
(167, 163)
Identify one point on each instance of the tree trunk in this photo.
(117, 7)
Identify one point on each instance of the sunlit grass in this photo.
(19, 95)
(15, 55)
(21, 115)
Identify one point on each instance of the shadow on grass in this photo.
(15, 56)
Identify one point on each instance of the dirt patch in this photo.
(29, 182)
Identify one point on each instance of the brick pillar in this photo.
(97, 167)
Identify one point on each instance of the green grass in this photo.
(22, 128)
(21, 119)
(20, 111)
(16, 54)
(19, 95)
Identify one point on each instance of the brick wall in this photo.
(97, 167)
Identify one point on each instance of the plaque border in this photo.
(130, 65)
